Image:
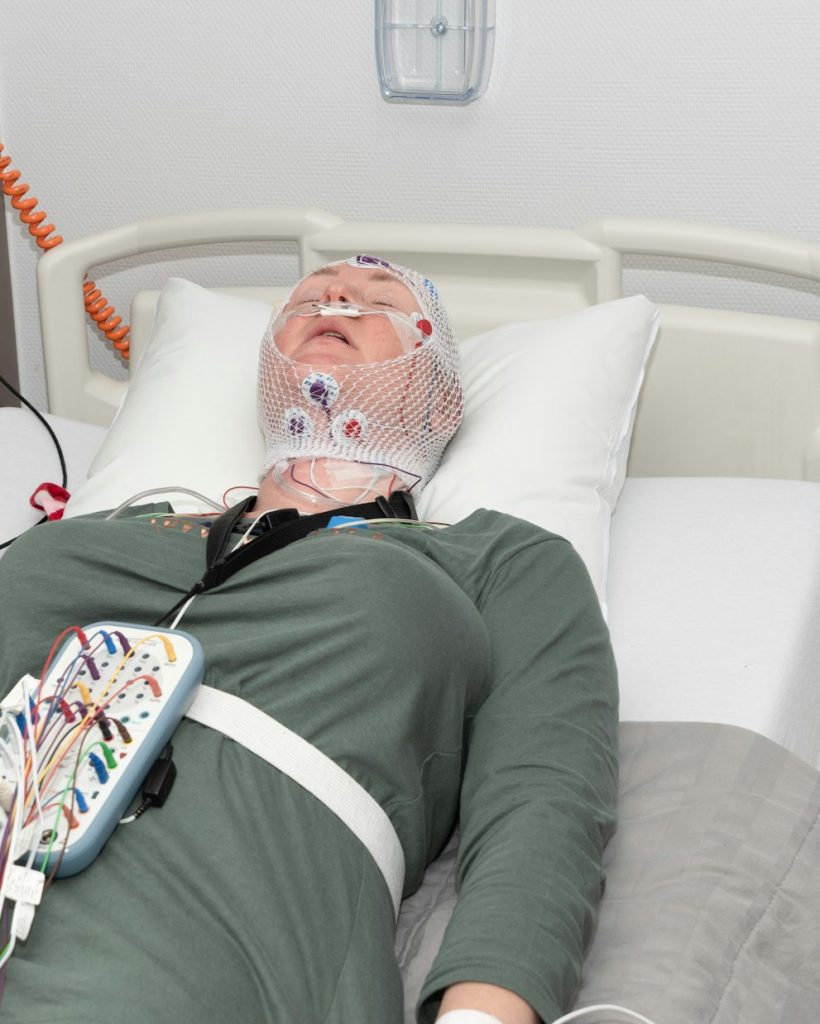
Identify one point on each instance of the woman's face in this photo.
(336, 340)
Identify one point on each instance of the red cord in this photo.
(96, 304)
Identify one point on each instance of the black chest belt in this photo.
(280, 528)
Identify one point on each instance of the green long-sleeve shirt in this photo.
(459, 675)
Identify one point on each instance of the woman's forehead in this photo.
(366, 275)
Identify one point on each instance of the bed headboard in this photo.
(726, 393)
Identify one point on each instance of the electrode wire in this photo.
(163, 490)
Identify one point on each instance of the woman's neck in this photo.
(321, 485)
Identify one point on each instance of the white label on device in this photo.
(24, 885)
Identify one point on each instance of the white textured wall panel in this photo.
(698, 110)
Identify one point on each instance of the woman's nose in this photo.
(336, 291)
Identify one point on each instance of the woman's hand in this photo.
(500, 1002)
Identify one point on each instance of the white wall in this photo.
(691, 109)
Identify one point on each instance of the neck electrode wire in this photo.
(368, 488)
(244, 538)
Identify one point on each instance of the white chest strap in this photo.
(313, 770)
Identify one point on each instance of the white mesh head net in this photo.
(394, 416)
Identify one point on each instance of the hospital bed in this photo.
(706, 556)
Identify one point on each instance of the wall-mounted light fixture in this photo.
(434, 51)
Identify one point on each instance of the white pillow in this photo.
(548, 416)
(189, 415)
(548, 419)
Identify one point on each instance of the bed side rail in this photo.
(727, 393)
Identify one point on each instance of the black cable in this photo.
(60, 455)
(157, 785)
(281, 527)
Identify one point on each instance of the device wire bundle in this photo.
(45, 739)
(13, 748)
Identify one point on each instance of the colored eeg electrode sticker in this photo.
(349, 426)
(320, 388)
(298, 424)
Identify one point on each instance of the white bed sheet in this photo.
(28, 458)
(714, 597)
(714, 587)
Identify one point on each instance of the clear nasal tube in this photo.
(411, 329)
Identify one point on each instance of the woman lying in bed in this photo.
(461, 675)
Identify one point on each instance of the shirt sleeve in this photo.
(539, 789)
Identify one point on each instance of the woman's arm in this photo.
(538, 797)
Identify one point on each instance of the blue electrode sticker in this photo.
(345, 521)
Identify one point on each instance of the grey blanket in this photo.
(712, 907)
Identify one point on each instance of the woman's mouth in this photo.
(330, 330)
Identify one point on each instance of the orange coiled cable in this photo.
(32, 218)
(96, 304)
(105, 317)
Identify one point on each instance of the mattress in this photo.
(713, 884)
(714, 587)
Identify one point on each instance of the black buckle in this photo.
(384, 506)
(275, 518)
(402, 502)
